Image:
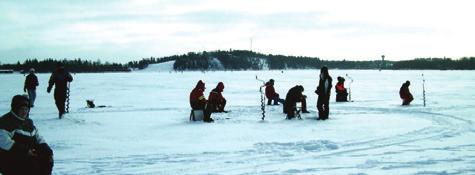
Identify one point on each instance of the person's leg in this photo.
(276, 100)
(45, 165)
(320, 107)
(269, 101)
(304, 105)
(60, 100)
(32, 96)
(326, 107)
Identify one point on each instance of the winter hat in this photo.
(341, 79)
(32, 70)
(220, 86)
(200, 85)
(20, 101)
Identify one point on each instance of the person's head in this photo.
(60, 67)
(300, 87)
(220, 86)
(271, 81)
(20, 105)
(32, 70)
(407, 83)
(324, 71)
(341, 79)
(200, 85)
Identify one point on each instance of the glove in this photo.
(49, 89)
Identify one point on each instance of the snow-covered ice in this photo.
(145, 128)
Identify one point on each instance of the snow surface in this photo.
(145, 128)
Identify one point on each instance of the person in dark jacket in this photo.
(216, 101)
(323, 92)
(293, 96)
(271, 94)
(199, 102)
(59, 78)
(405, 94)
(341, 93)
(22, 150)
(31, 81)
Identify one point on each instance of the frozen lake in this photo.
(145, 128)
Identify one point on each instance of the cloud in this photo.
(124, 30)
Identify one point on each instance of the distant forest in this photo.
(241, 60)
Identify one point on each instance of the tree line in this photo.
(241, 60)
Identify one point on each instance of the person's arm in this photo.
(9, 145)
(50, 82)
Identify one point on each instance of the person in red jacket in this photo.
(216, 101)
(405, 94)
(198, 100)
(271, 94)
(341, 93)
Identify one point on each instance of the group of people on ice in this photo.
(216, 102)
(22, 150)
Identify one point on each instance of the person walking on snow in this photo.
(216, 101)
(22, 150)
(59, 78)
(293, 96)
(323, 92)
(271, 94)
(341, 93)
(198, 101)
(405, 94)
(31, 82)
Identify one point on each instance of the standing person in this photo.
(341, 93)
(198, 100)
(59, 78)
(405, 94)
(31, 81)
(22, 150)
(293, 96)
(271, 94)
(323, 92)
(216, 101)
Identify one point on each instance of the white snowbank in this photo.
(160, 67)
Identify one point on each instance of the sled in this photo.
(196, 115)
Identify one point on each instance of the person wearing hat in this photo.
(405, 94)
(59, 78)
(341, 93)
(271, 94)
(31, 81)
(323, 92)
(198, 100)
(22, 149)
(293, 96)
(216, 101)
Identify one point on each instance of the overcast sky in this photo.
(121, 31)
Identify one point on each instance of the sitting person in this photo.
(216, 101)
(341, 93)
(405, 94)
(293, 96)
(22, 150)
(271, 94)
(198, 100)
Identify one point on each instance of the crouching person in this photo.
(293, 96)
(216, 101)
(405, 94)
(341, 93)
(22, 150)
(271, 94)
(198, 101)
